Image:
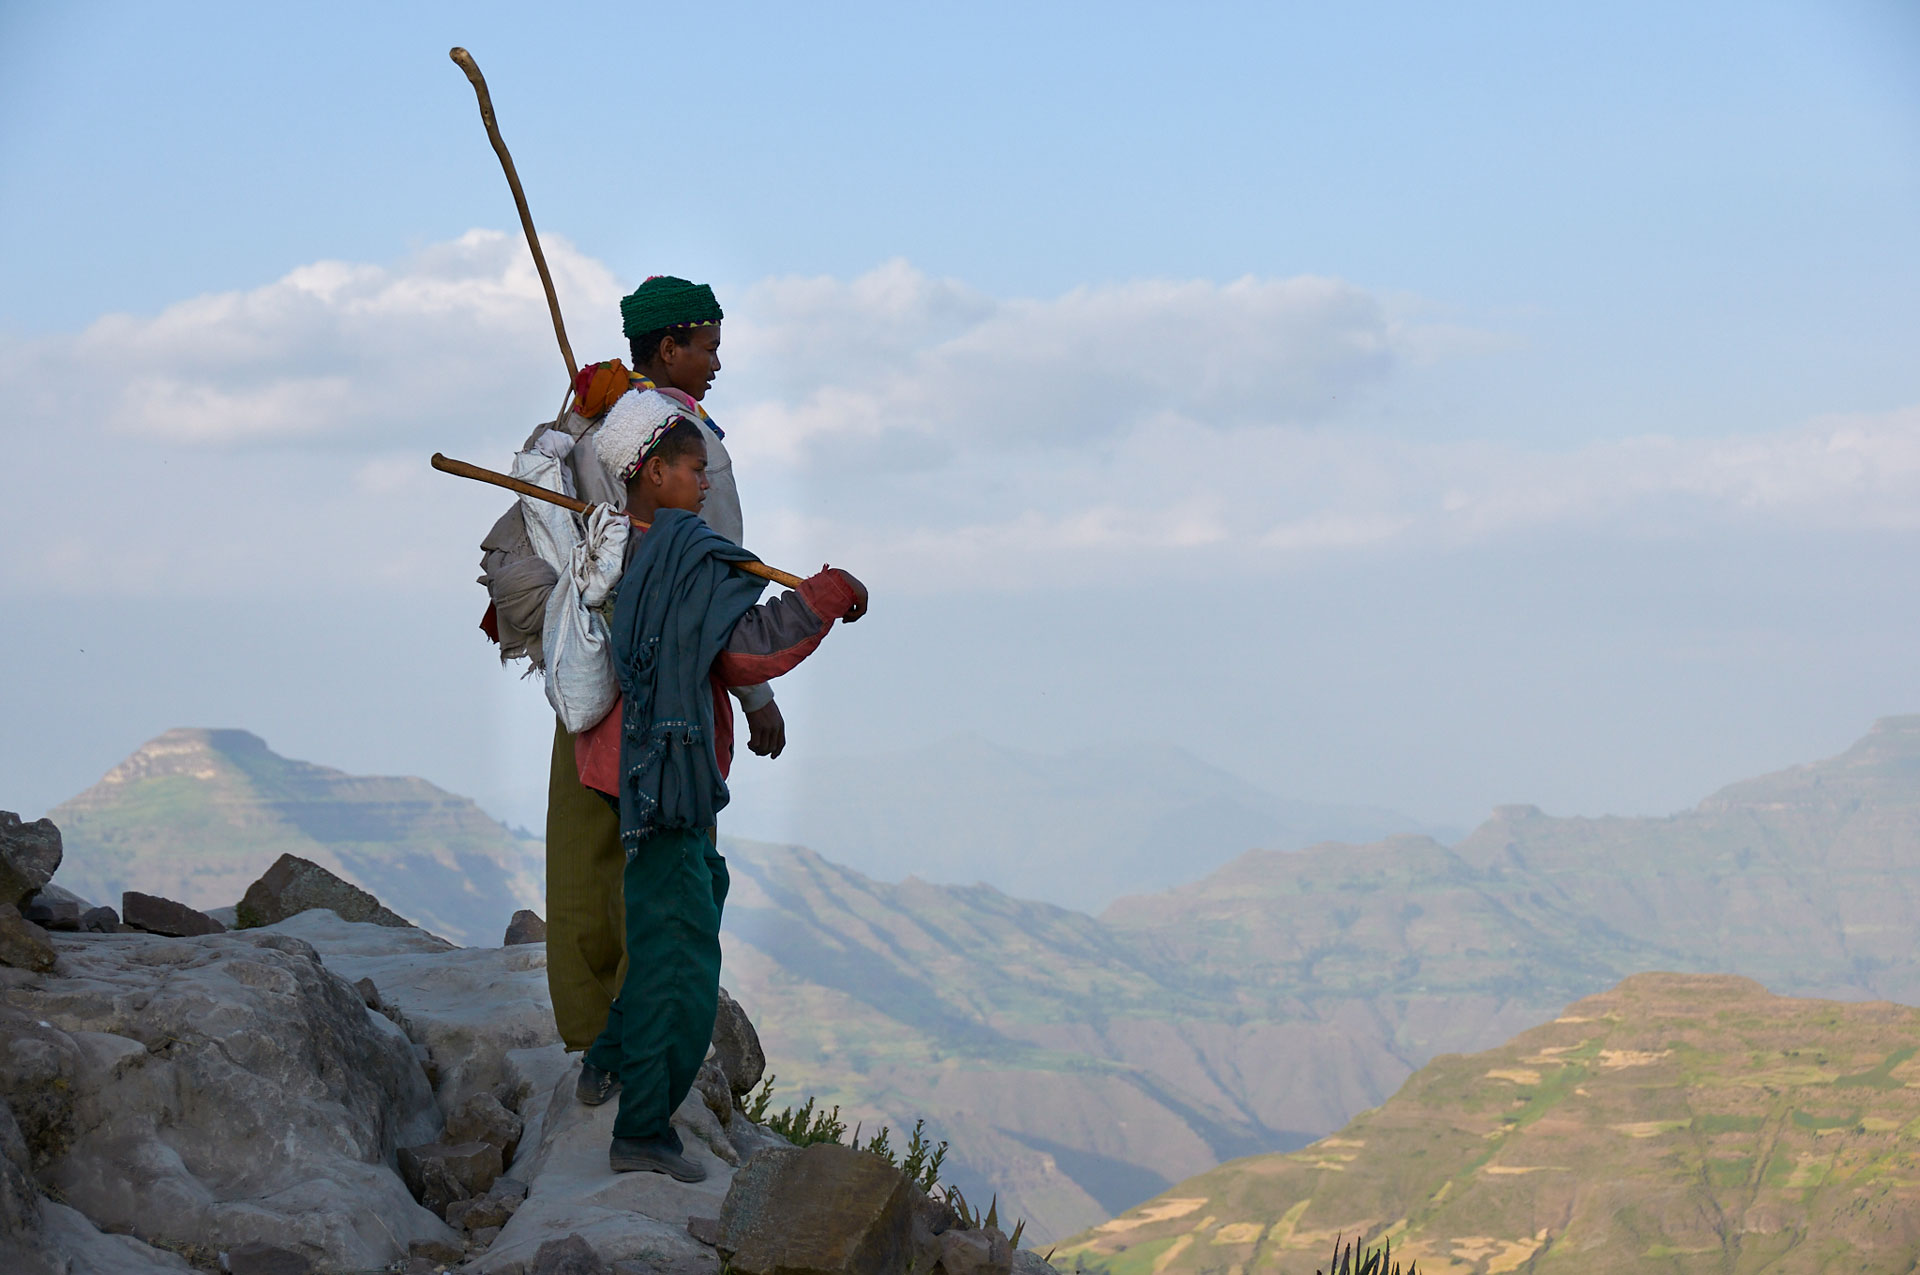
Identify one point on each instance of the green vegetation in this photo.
(1699, 1131)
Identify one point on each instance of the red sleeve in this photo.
(775, 636)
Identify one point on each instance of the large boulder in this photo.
(440, 1173)
(205, 1093)
(822, 1210)
(293, 885)
(525, 927)
(29, 856)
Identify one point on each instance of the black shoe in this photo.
(595, 1085)
(653, 1155)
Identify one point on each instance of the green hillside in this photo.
(198, 815)
(1679, 1123)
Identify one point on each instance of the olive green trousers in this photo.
(586, 916)
(658, 1029)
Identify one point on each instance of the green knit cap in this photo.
(666, 302)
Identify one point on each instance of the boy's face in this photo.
(680, 483)
(690, 364)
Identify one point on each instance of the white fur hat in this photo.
(633, 425)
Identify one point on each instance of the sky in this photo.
(1411, 406)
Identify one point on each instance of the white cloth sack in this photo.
(574, 637)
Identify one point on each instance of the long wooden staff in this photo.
(448, 465)
(465, 62)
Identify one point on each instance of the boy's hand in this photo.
(767, 730)
(859, 607)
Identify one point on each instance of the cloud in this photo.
(914, 428)
(332, 351)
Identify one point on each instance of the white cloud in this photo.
(912, 428)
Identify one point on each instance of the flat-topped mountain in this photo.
(198, 815)
(1685, 1123)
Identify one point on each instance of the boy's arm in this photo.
(773, 637)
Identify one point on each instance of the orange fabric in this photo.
(599, 386)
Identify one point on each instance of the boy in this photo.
(686, 628)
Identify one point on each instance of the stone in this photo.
(512, 1190)
(485, 1236)
(293, 885)
(824, 1208)
(59, 915)
(369, 994)
(435, 1252)
(438, 1173)
(525, 927)
(255, 1258)
(481, 1118)
(29, 856)
(705, 1229)
(571, 1256)
(207, 1092)
(737, 1046)
(156, 915)
(1028, 1262)
(23, 944)
(981, 1252)
(476, 1214)
(102, 920)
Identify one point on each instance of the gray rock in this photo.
(369, 994)
(29, 856)
(435, 1252)
(481, 1118)
(293, 885)
(53, 914)
(571, 1256)
(100, 921)
(255, 1258)
(1028, 1262)
(209, 1092)
(156, 915)
(23, 944)
(711, 1084)
(477, 1214)
(824, 1208)
(525, 927)
(981, 1252)
(705, 1229)
(512, 1190)
(737, 1046)
(19, 1201)
(485, 1236)
(439, 1173)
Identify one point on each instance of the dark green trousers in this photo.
(660, 1025)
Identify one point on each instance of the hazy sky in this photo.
(1428, 407)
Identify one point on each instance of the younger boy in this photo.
(686, 627)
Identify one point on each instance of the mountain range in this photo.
(1080, 1064)
(1079, 829)
(1682, 1123)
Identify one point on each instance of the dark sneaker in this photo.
(595, 1085)
(653, 1155)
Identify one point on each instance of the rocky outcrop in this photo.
(525, 927)
(204, 1093)
(322, 1094)
(29, 856)
(293, 885)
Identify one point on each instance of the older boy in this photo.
(686, 628)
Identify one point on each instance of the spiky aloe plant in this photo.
(1359, 1261)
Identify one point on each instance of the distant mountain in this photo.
(197, 815)
(1075, 1060)
(1078, 830)
(1683, 1123)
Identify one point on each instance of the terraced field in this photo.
(1684, 1123)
